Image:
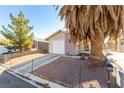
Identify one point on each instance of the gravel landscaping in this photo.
(73, 72)
(23, 59)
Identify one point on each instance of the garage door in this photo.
(58, 46)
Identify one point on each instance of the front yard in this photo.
(73, 72)
(22, 59)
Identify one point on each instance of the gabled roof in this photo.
(39, 40)
(55, 33)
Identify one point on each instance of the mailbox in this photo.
(109, 65)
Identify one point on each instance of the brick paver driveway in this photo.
(72, 72)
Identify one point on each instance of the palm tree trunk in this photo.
(97, 49)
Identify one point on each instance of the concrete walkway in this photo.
(34, 64)
(43, 81)
(117, 58)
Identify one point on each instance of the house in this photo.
(122, 45)
(112, 46)
(59, 43)
(40, 44)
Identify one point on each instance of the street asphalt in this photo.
(10, 81)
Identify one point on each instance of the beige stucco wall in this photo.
(59, 35)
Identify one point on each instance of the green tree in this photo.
(18, 32)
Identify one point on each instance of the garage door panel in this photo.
(58, 46)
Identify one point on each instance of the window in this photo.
(86, 47)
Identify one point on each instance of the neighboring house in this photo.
(40, 44)
(120, 44)
(59, 43)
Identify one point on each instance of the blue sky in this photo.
(44, 19)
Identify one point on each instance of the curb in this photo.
(20, 77)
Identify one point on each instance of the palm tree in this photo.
(93, 23)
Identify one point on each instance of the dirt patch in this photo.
(7, 57)
(22, 59)
(72, 72)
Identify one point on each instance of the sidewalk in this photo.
(117, 58)
(34, 64)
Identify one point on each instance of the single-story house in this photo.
(122, 45)
(40, 44)
(59, 43)
(119, 47)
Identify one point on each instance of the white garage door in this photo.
(59, 46)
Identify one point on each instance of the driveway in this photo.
(10, 81)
